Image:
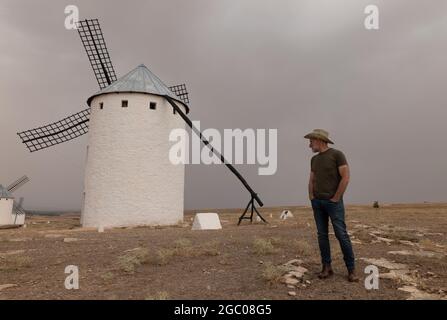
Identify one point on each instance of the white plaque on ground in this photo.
(206, 221)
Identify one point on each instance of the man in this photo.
(329, 178)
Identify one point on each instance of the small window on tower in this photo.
(124, 103)
(101, 105)
(153, 105)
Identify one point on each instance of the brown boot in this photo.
(352, 277)
(326, 272)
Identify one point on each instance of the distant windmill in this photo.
(11, 212)
(128, 178)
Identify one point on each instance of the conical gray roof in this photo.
(140, 80)
(4, 193)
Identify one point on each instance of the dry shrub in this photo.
(226, 260)
(14, 262)
(263, 246)
(182, 243)
(163, 256)
(210, 249)
(132, 259)
(302, 248)
(272, 274)
(276, 241)
(183, 247)
(107, 276)
(160, 295)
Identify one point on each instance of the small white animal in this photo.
(285, 214)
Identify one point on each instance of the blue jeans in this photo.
(323, 210)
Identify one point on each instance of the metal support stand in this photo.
(252, 208)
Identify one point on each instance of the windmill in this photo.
(128, 121)
(12, 213)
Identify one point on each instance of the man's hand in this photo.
(311, 186)
(344, 173)
(334, 199)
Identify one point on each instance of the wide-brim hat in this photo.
(319, 134)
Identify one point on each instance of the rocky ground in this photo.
(407, 243)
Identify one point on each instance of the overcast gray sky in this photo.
(293, 65)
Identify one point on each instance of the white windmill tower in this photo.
(129, 179)
(11, 213)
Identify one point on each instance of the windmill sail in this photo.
(52, 134)
(181, 92)
(18, 210)
(95, 46)
(17, 184)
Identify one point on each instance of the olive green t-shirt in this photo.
(326, 176)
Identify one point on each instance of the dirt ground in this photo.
(278, 260)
